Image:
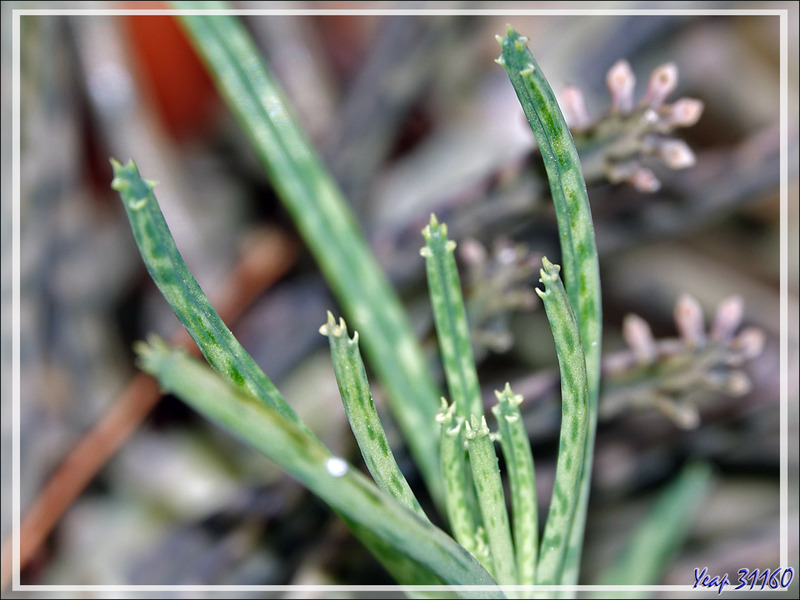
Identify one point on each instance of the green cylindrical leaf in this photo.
(571, 362)
(327, 225)
(451, 320)
(522, 482)
(184, 295)
(576, 232)
(458, 488)
(364, 421)
(489, 488)
(218, 344)
(328, 476)
(658, 537)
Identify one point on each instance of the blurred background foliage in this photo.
(412, 116)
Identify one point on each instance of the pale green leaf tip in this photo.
(455, 430)
(476, 428)
(508, 396)
(120, 169)
(512, 35)
(549, 272)
(332, 329)
(151, 352)
(503, 40)
(133, 188)
(547, 264)
(434, 228)
(446, 412)
(120, 182)
(326, 328)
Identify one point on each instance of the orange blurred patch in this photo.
(175, 77)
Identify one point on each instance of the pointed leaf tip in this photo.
(328, 327)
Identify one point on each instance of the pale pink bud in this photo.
(639, 337)
(644, 180)
(727, 320)
(472, 252)
(689, 320)
(676, 154)
(662, 83)
(683, 113)
(738, 384)
(574, 105)
(750, 343)
(621, 81)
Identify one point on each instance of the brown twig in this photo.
(267, 257)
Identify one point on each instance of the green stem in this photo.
(327, 225)
(364, 421)
(576, 233)
(571, 362)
